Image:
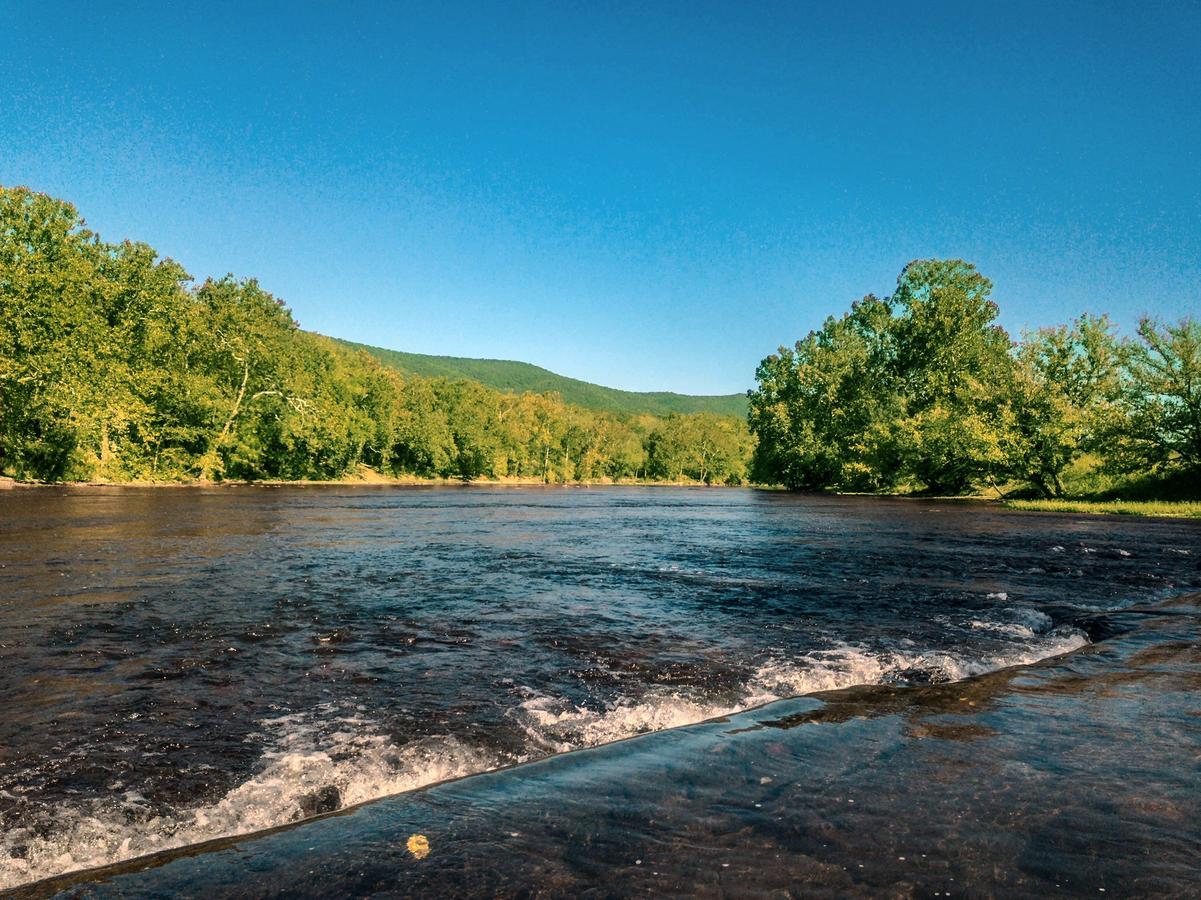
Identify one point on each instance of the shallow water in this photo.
(1077, 776)
(179, 665)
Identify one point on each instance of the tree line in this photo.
(924, 390)
(115, 366)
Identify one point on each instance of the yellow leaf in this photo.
(419, 846)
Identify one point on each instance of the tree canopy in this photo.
(115, 366)
(924, 390)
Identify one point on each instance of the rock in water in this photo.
(324, 800)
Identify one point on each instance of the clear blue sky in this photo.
(645, 195)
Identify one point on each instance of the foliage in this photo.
(825, 411)
(1065, 397)
(1162, 426)
(924, 390)
(701, 447)
(113, 367)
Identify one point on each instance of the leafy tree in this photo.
(48, 268)
(907, 387)
(251, 336)
(112, 366)
(1065, 399)
(1163, 427)
(925, 389)
(423, 443)
(699, 447)
(953, 363)
(824, 410)
(471, 415)
(376, 397)
(90, 341)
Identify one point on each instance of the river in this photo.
(179, 665)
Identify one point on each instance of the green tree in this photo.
(699, 447)
(112, 366)
(423, 443)
(92, 341)
(953, 362)
(911, 388)
(824, 411)
(1065, 399)
(251, 336)
(1163, 427)
(48, 269)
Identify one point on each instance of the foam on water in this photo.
(1020, 622)
(307, 769)
(561, 726)
(322, 761)
(849, 665)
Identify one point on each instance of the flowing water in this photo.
(180, 665)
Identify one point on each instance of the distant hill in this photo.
(518, 377)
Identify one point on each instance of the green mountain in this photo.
(507, 375)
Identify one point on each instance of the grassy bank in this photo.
(1180, 509)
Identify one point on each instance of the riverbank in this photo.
(1181, 509)
(373, 479)
(1173, 509)
(1075, 776)
(1177, 509)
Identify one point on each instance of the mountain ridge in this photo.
(519, 377)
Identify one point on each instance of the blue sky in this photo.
(649, 196)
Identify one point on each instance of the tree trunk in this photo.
(206, 471)
(106, 450)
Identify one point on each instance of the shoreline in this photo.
(7, 483)
(1171, 509)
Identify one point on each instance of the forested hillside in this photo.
(507, 375)
(115, 366)
(923, 390)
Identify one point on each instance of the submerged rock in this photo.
(323, 800)
(919, 675)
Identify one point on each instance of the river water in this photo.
(181, 665)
